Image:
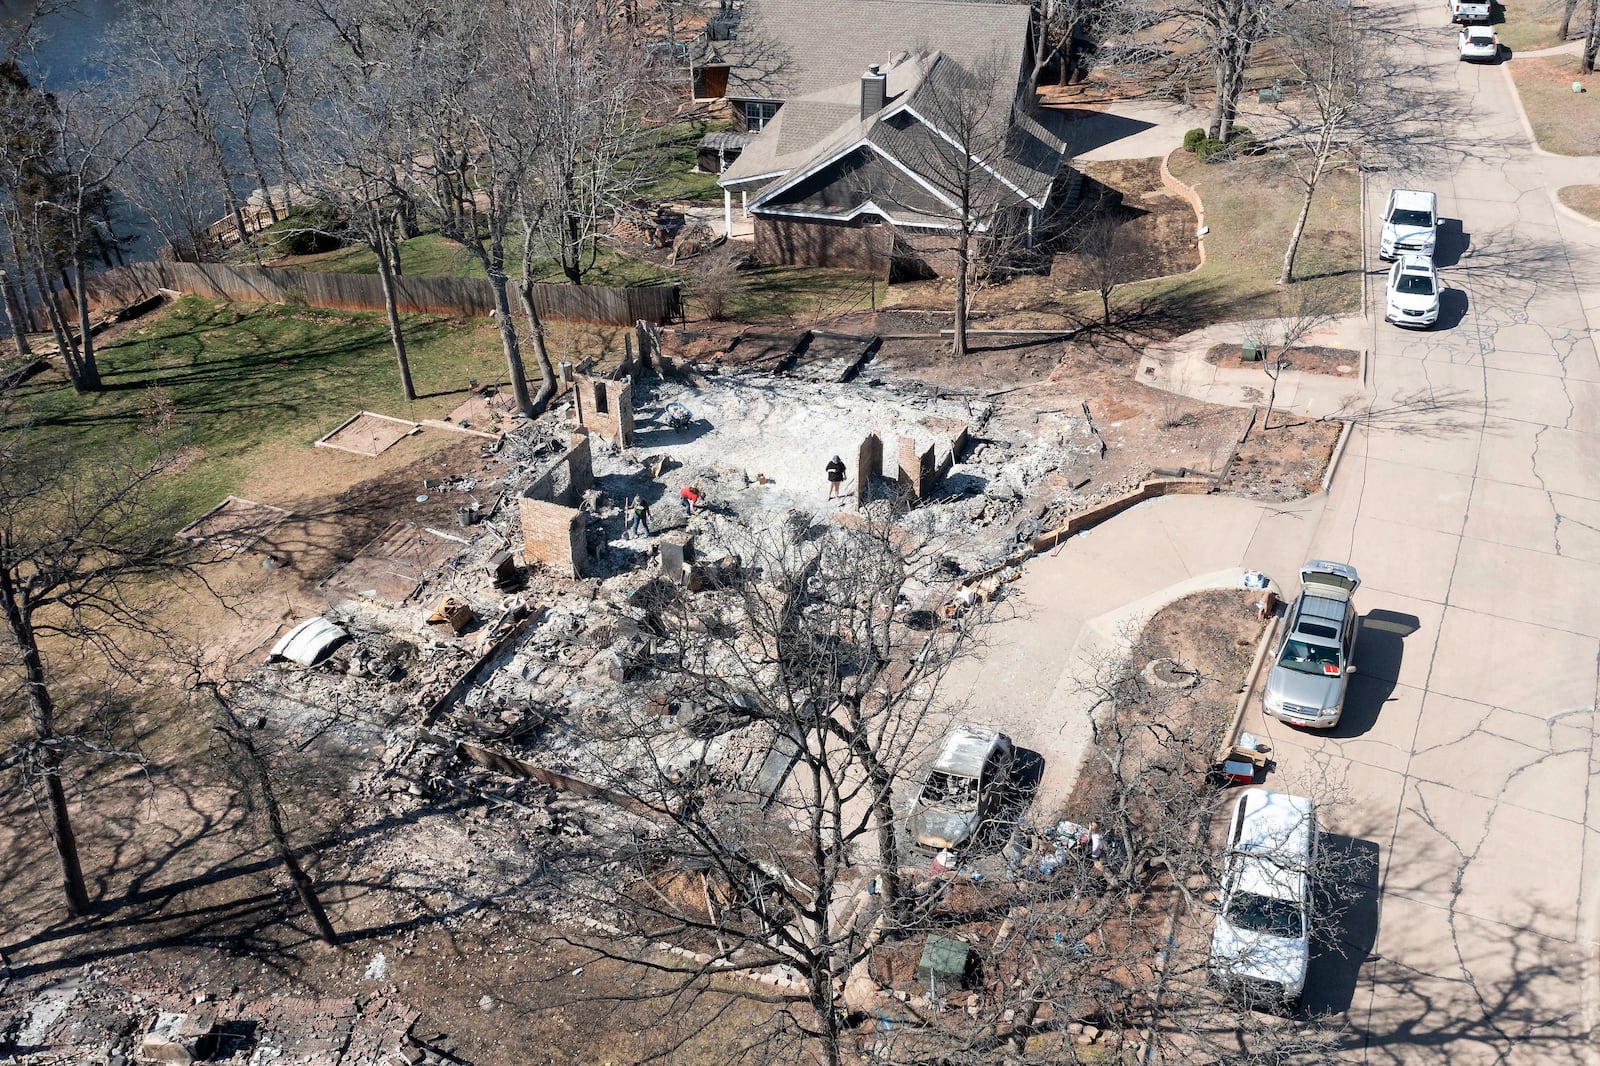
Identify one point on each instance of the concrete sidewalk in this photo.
(1073, 607)
(1180, 366)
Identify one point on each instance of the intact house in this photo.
(885, 131)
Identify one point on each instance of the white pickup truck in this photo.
(1468, 10)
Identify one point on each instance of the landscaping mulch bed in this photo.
(1312, 359)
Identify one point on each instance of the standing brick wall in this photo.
(869, 464)
(553, 535)
(916, 467)
(605, 407)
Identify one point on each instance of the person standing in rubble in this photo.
(835, 477)
(691, 499)
(639, 518)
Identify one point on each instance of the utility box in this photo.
(1250, 352)
(944, 962)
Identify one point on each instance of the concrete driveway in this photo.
(1470, 502)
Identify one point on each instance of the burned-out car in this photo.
(963, 789)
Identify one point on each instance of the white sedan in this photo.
(1413, 297)
(1478, 44)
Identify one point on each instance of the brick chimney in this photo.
(873, 90)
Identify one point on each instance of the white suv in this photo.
(1478, 44)
(1413, 295)
(1410, 223)
(1261, 944)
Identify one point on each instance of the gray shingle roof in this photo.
(788, 48)
(1020, 150)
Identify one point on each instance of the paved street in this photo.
(1469, 499)
(1470, 503)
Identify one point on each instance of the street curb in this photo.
(1267, 635)
(1576, 216)
(1338, 453)
(1365, 296)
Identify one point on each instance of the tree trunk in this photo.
(1299, 227)
(390, 308)
(19, 329)
(963, 258)
(87, 365)
(47, 759)
(508, 341)
(65, 343)
(541, 352)
(1591, 43)
(1568, 9)
(572, 251)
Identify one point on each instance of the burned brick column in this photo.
(916, 468)
(605, 407)
(869, 464)
(553, 535)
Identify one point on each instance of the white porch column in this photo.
(727, 213)
(744, 202)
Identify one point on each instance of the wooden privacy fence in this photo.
(126, 285)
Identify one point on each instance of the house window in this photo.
(758, 114)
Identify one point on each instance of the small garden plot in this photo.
(1311, 359)
(234, 525)
(368, 434)
(1286, 462)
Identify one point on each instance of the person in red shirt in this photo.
(690, 498)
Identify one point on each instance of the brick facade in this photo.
(553, 535)
(568, 476)
(605, 407)
(882, 249)
(917, 470)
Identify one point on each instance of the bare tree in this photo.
(78, 547)
(1111, 251)
(470, 163)
(973, 198)
(799, 866)
(1302, 310)
(1354, 108)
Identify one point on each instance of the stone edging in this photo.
(1191, 196)
(1250, 677)
(1338, 453)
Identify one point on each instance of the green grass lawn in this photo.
(240, 378)
(431, 256)
(671, 154)
(1527, 26)
(1250, 206)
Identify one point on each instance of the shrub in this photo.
(1210, 149)
(306, 230)
(1241, 140)
(1192, 139)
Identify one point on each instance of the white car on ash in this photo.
(1478, 44)
(1261, 944)
(1413, 298)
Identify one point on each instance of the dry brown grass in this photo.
(1563, 121)
(1584, 199)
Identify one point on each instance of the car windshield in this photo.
(1263, 914)
(1311, 658)
(1402, 217)
(951, 792)
(1414, 285)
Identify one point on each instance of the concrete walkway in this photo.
(1180, 366)
(1071, 609)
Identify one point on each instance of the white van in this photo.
(1261, 944)
(1468, 10)
(1410, 224)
